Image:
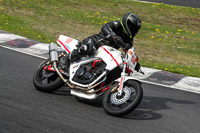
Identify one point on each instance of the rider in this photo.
(115, 34)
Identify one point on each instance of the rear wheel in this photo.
(45, 80)
(120, 105)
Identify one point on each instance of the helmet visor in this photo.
(132, 28)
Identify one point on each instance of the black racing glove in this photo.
(117, 39)
(127, 46)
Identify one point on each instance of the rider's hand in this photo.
(127, 46)
(118, 40)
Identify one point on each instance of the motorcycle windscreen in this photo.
(67, 43)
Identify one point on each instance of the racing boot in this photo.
(65, 60)
(75, 55)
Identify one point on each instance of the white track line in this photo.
(144, 1)
(172, 87)
(24, 52)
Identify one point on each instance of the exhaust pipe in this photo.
(53, 52)
(54, 58)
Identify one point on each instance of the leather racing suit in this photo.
(111, 34)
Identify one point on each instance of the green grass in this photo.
(168, 40)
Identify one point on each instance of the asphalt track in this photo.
(23, 109)
(187, 3)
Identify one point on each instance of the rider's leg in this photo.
(65, 60)
(82, 51)
(86, 48)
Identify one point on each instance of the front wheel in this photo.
(46, 81)
(129, 100)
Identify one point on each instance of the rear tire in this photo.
(53, 81)
(130, 99)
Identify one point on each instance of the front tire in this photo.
(45, 80)
(130, 99)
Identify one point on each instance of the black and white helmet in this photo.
(131, 24)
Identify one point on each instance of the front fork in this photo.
(122, 79)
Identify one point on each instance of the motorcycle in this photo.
(108, 73)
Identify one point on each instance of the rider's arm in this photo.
(109, 30)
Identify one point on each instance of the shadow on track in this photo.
(149, 105)
(66, 92)
(147, 110)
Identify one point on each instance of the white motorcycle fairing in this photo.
(111, 56)
(67, 43)
(127, 78)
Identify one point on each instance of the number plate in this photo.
(131, 59)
